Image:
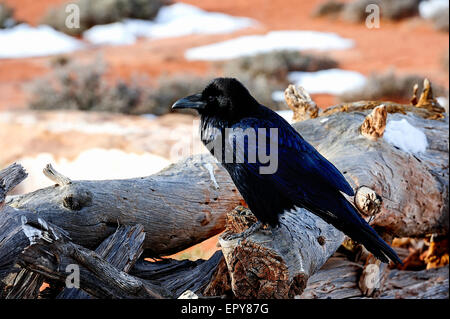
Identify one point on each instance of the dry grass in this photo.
(103, 12)
(6, 16)
(355, 11)
(389, 86)
(82, 87)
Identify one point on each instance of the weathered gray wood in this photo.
(121, 250)
(423, 284)
(26, 285)
(300, 103)
(413, 188)
(338, 279)
(10, 177)
(178, 276)
(50, 253)
(187, 202)
(277, 263)
(178, 207)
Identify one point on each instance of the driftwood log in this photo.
(403, 194)
(278, 262)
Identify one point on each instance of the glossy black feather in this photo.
(304, 178)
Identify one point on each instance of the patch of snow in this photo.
(92, 164)
(332, 81)
(324, 120)
(405, 136)
(117, 33)
(443, 101)
(149, 116)
(278, 96)
(286, 114)
(275, 40)
(175, 20)
(428, 9)
(25, 41)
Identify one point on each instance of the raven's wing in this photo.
(306, 178)
(297, 160)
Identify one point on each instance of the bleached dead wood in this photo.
(413, 187)
(179, 276)
(300, 103)
(10, 177)
(25, 285)
(51, 253)
(178, 207)
(338, 279)
(276, 263)
(375, 123)
(121, 250)
(187, 203)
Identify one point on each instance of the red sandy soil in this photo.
(409, 46)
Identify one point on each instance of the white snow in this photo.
(278, 96)
(275, 40)
(95, 164)
(117, 33)
(25, 41)
(427, 9)
(332, 81)
(171, 21)
(405, 136)
(286, 114)
(443, 101)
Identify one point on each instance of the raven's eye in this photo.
(211, 98)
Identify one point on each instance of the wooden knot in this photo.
(368, 201)
(204, 218)
(375, 123)
(76, 199)
(301, 103)
(321, 240)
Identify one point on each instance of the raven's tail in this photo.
(350, 222)
(367, 236)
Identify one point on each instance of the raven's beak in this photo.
(190, 102)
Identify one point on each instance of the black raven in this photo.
(302, 178)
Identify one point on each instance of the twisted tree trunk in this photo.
(404, 194)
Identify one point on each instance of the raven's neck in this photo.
(213, 135)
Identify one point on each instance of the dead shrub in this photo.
(355, 11)
(389, 86)
(103, 12)
(6, 16)
(82, 87)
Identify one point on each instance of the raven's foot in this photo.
(256, 227)
(266, 229)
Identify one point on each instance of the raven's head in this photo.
(225, 98)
